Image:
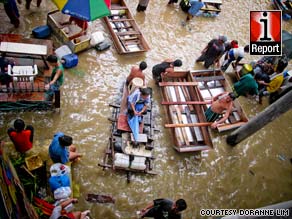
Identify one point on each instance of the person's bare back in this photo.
(222, 102)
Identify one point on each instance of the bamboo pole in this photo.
(187, 125)
(272, 112)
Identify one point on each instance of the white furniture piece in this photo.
(22, 74)
(23, 48)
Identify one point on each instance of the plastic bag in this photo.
(62, 192)
(59, 169)
(59, 181)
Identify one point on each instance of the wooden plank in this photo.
(187, 125)
(188, 129)
(131, 38)
(172, 93)
(198, 130)
(193, 148)
(104, 165)
(141, 138)
(108, 152)
(189, 120)
(222, 128)
(19, 39)
(165, 94)
(178, 97)
(23, 48)
(236, 115)
(122, 43)
(209, 90)
(132, 42)
(177, 131)
(162, 84)
(124, 27)
(186, 94)
(128, 33)
(182, 97)
(209, 78)
(179, 115)
(232, 119)
(182, 93)
(112, 149)
(210, 9)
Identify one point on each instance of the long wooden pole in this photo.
(187, 125)
(186, 103)
(272, 112)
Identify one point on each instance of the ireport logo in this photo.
(266, 33)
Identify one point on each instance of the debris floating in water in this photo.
(281, 157)
(201, 174)
(204, 154)
(100, 198)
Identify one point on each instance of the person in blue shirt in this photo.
(62, 150)
(195, 8)
(138, 102)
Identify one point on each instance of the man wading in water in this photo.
(221, 102)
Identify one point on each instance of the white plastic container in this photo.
(96, 38)
(62, 193)
(62, 51)
(138, 163)
(121, 160)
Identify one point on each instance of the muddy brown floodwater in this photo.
(255, 173)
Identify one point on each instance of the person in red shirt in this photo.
(21, 138)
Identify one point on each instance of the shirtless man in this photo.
(137, 72)
(220, 103)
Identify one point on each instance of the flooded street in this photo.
(255, 173)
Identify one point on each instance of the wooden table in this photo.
(14, 45)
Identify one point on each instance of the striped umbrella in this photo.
(88, 10)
